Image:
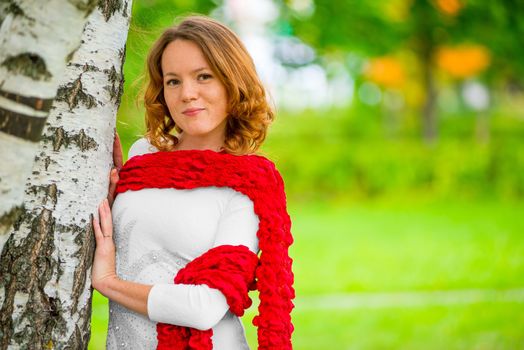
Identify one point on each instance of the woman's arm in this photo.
(103, 276)
(193, 306)
(104, 279)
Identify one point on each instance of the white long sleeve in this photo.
(199, 306)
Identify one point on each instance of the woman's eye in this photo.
(172, 82)
(204, 76)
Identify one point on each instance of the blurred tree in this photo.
(370, 28)
(423, 38)
(499, 26)
(379, 28)
(375, 29)
(151, 14)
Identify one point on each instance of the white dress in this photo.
(157, 232)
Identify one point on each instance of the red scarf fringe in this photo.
(257, 178)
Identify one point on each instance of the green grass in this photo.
(389, 246)
(99, 319)
(396, 246)
(480, 326)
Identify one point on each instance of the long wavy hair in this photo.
(249, 111)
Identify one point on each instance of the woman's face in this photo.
(197, 100)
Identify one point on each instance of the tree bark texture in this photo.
(37, 39)
(45, 289)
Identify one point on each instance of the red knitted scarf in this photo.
(257, 178)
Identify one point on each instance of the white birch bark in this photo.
(37, 38)
(45, 289)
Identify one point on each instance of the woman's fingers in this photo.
(113, 177)
(113, 180)
(104, 258)
(117, 152)
(97, 230)
(106, 222)
(104, 227)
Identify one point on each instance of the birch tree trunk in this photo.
(45, 289)
(37, 38)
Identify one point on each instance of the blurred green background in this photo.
(399, 134)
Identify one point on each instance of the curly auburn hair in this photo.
(249, 111)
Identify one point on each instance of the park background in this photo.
(399, 134)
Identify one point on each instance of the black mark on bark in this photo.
(47, 161)
(59, 137)
(36, 103)
(29, 64)
(26, 266)
(10, 218)
(49, 193)
(85, 240)
(73, 93)
(87, 67)
(109, 7)
(14, 9)
(116, 79)
(86, 7)
(21, 125)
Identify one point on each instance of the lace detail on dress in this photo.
(121, 236)
(129, 330)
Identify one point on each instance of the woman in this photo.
(194, 209)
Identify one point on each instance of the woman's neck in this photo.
(185, 143)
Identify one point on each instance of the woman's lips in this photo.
(191, 112)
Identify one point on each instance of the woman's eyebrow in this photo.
(193, 71)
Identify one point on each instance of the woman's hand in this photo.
(104, 270)
(113, 175)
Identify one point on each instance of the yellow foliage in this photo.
(396, 10)
(386, 71)
(449, 7)
(463, 61)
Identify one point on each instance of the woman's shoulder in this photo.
(141, 146)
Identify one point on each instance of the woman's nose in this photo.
(189, 91)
